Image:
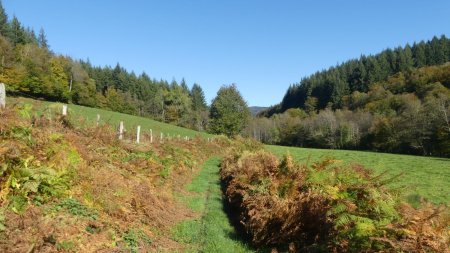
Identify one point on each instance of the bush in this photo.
(325, 206)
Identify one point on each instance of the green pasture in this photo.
(418, 176)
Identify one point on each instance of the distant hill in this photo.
(327, 88)
(256, 109)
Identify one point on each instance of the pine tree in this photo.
(373, 70)
(444, 49)
(17, 33)
(409, 60)
(198, 98)
(438, 52)
(4, 27)
(42, 39)
(358, 77)
(184, 86)
(420, 58)
(30, 36)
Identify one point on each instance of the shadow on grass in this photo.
(232, 214)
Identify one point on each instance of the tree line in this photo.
(409, 113)
(327, 88)
(30, 68)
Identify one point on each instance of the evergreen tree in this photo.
(409, 60)
(4, 27)
(357, 79)
(373, 70)
(438, 51)
(17, 33)
(420, 58)
(444, 49)
(42, 39)
(198, 98)
(184, 86)
(30, 36)
(229, 112)
(199, 108)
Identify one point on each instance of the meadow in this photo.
(88, 115)
(418, 176)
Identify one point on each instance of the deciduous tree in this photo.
(229, 112)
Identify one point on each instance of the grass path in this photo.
(212, 231)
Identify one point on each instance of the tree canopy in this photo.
(229, 112)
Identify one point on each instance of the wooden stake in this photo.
(64, 110)
(98, 119)
(151, 136)
(161, 138)
(2, 96)
(138, 134)
(121, 130)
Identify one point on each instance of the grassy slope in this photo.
(85, 190)
(113, 118)
(211, 232)
(427, 177)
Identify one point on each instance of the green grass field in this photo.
(113, 118)
(427, 177)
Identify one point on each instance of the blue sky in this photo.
(262, 46)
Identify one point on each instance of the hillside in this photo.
(406, 113)
(254, 110)
(327, 88)
(88, 116)
(70, 186)
(30, 68)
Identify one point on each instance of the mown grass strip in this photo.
(212, 232)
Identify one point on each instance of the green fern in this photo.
(76, 208)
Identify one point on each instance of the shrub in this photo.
(325, 206)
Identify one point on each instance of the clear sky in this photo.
(262, 46)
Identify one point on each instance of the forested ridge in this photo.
(327, 88)
(30, 68)
(397, 101)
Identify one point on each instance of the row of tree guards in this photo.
(121, 124)
(138, 130)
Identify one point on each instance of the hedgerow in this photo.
(325, 206)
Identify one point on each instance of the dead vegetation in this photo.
(324, 207)
(77, 189)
